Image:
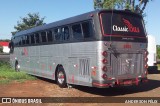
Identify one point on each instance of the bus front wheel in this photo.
(61, 77)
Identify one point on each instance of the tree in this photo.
(1, 49)
(4, 40)
(137, 6)
(32, 20)
(158, 51)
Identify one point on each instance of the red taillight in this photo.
(104, 76)
(104, 53)
(146, 72)
(104, 68)
(146, 53)
(104, 61)
(146, 66)
(146, 59)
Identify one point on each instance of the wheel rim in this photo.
(60, 77)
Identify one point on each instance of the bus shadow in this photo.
(153, 71)
(46, 80)
(116, 91)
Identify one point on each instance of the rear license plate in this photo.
(128, 82)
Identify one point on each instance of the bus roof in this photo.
(67, 21)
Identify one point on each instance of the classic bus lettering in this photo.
(123, 29)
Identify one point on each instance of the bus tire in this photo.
(17, 66)
(61, 77)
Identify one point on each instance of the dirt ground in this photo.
(48, 88)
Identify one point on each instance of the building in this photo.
(152, 54)
(5, 47)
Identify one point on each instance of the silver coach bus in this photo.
(102, 48)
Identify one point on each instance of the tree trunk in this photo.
(133, 5)
(144, 6)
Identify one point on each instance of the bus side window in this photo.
(77, 32)
(37, 38)
(19, 41)
(87, 29)
(16, 41)
(32, 39)
(49, 36)
(43, 37)
(27, 39)
(23, 40)
(57, 33)
(65, 33)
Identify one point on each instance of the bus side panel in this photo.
(81, 61)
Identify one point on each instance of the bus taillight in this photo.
(104, 61)
(146, 53)
(104, 76)
(104, 53)
(104, 68)
(146, 59)
(146, 66)
(146, 72)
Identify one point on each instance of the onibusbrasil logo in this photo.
(127, 28)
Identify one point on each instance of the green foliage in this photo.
(1, 49)
(112, 4)
(137, 6)
(158, 51)
(4, 64)
(30, 21)
(158, 65)
(5, 40)
(7, 74)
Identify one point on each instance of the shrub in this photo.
(1, 49)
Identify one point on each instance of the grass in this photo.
(8, 75)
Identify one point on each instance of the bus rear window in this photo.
(121, 24)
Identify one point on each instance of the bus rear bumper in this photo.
(119, 82)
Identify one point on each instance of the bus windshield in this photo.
(121, 24)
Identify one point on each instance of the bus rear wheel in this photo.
(61, 77)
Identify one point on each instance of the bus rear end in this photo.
(122, 53)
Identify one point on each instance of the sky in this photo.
(54, 10)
